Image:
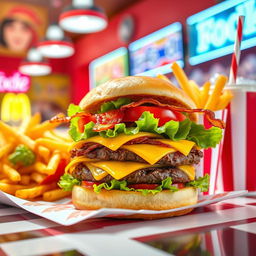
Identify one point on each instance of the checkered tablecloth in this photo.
(225, 228)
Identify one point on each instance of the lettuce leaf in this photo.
(67, 182)
(73, 129)
(110, 105)
(173, 130)
(22, 155)
(201, 183)
(122, 185)
(204, 138)
(73, 109)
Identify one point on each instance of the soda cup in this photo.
(239, 149)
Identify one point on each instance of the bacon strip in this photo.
(61, 118)
(147, 140)
(210, 116)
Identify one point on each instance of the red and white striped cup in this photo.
(212, 157)
(239, 149)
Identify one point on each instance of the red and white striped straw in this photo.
(237, 50)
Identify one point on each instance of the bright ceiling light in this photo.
(34, 65)
(83, 17)
(55, 44)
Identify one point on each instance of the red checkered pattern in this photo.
(217, 226)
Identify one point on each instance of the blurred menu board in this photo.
(50, 94)
(109, 66)
(212, 32)
(153, 53)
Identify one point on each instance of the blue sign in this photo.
(212, 32)
(153, 54)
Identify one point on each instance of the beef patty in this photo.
(151, 175)
(106, 154)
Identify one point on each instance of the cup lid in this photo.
(242, 84)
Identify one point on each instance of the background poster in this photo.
(21, 26)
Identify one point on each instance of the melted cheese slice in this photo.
(116, 142)
(118, 170)
(189, 170)
(97, 173)
(150, 153)
(183, 146)
(76, 161)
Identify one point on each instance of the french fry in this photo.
(49, 148)
(31, 193)
(44, 153)
(36, 167)
(183, 81)
(8, 181)
(56, 194)
(25, 180)
(7, 149)
(215, 96)
(10, 188)
(2, 140)
(11, 173)
(225, 99)
(161, 76)
(204, 94)
(9, 131)
(53, 163)
(50, 135)
(35, 120)
(196, 92)
(24, 125)
(53, 145)
(40, 167)
(62, 137)
(2, 175)
(26, 170)
(38, 130)
(37, 177)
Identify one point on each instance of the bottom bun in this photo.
(87, 199)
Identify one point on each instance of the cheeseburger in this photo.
(136, 145)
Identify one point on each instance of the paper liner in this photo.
(64, 213)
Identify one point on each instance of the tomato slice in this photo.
(179, 185)
(56, 176)
(108, 119)
(164, 115)
(89, 184)
(82, 121)
(153, 186)
(143, 186)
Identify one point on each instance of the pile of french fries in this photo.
(215, 98)
(49, 148)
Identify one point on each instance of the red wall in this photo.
(11, 64)
(149, 15)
